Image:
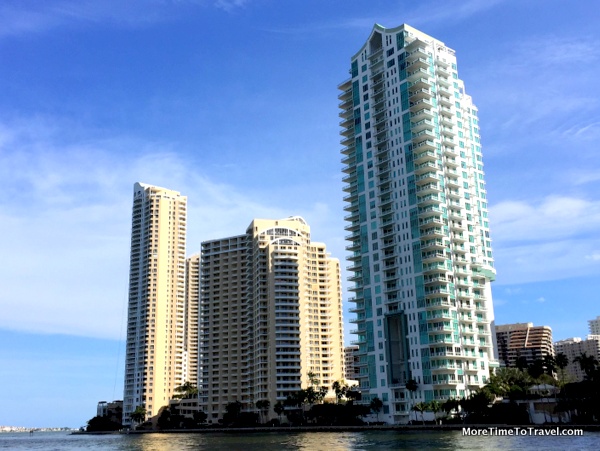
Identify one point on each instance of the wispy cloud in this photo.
(426, 12)
(67, 211)
(31, 16)
(551, 239)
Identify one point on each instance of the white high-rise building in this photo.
(594, 326)
(417, 219)
(156, 348)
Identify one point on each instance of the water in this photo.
(308, 441)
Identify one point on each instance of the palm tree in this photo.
(263, 407)
(138, 415)
(421, 407)
(451, 404)
(561, 362)
(412, 386)
(340, 388)
(587, 363)
(186, 391)
(376, 405)
(435, 407)
(279, 408)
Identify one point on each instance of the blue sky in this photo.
(234, 103)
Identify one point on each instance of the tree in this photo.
(521, 363)
(313, 379)
(562, 362)
(353, 394)
(421, 407)
(340, 388)
(200, 417)
(435, 407)
(536, 369)
(98, 424)
(279, 408)
(187, 390)
(587, 363)
(376, 406)
(263, 408)
(138, 415)
(549, 363)
(451, 405)
(412, 386)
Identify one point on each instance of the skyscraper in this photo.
(270, 314)
(154, 363)
(419, 239)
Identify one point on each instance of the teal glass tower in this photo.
(418, 236)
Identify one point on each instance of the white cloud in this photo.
(555, 217)
(66, 209)
(549, 240)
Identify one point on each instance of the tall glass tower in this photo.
(419, 241)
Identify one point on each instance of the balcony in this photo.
(422, 124)
(432, 221)
(433, 232)
(430, 188)
(428, 177)
(433, 257)
(427, 156)
(432, 210)
(419, 78)
(415, 63)
(419, 105)
(433, 245)
(431, 199)
(426, 134)
(445, 101)
(346, 150)
(419, 94)
(425, 145)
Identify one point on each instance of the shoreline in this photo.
(398, 428)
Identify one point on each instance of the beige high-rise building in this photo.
(155, 351)
(523, 340)
(270, 313)
(573, 348)
(192, 299)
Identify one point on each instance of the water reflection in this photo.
(314, 441)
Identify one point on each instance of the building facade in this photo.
(525, 341)
(351, 360)
(594, 326)
(155, 350)
(270, 314)
(191, 327)
(573, 348)
(419, 241)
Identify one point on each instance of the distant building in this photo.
(594, 326)
(573, 348)
(523, 340)
(351, 361)
(155, 352)
(270, 313)
(112, 410)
